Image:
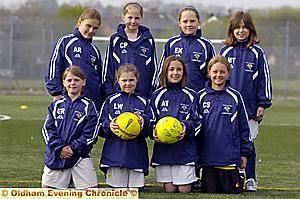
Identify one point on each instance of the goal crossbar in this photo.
(158, 40)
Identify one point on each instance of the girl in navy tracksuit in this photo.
(70, 130)
(125, 162)
(192, 47)
(133, 43)
(175, 163)
(224, 137)
(250, 76)
(77, 49)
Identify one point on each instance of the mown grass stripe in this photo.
(264, 124)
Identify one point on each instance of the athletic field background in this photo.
(278, 148)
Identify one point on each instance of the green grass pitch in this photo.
(278, 149)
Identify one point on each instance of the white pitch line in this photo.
(25, 118)
(280, 124)
(4, 117)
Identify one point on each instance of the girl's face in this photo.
(73, 85)
(88, 27)
(241, 33)
(175, 72)
(189, 22)
(132, 19)
(218, 74)
(127, 82)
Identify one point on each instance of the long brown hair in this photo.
(165, 68)
(74, 70)
(234, 21)
(90, 13)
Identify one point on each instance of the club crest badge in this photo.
(249, 67)
(93, 61)
(144, 51)
(197, 56)
(227, 109)
(184, 108)
(78, 115)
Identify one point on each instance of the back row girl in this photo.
(77, 49)
(133, 43)
(192, 47)
(250, 76)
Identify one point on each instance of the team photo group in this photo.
(200, 108)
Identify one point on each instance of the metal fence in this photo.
(25, 47)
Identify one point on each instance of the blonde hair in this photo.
(165, 68)
(219, 59)
(127, 68)
(127, 7)
(189, 8)
(90, 13)
(234, 21)
(74, 70)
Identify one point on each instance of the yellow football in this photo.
(23, 107)
(168, 130)
(129, 127)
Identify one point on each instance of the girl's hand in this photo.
(113, 126)
(155, 135)
(141, 120)
(56, 97)
(260, 114)
(66, 152)
(182, 134)
(243, 162)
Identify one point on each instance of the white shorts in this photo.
(253, 125)
(117, 177)
(176, 174)
(83, 174)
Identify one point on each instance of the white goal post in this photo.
(158, 40)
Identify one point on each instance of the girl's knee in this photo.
(185, 188)
(170, 188)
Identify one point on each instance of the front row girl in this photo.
(70, 130)
(125, 162)
(224, 137)
(175, 163)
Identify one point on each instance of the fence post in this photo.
(11, 35)
(286, 58)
